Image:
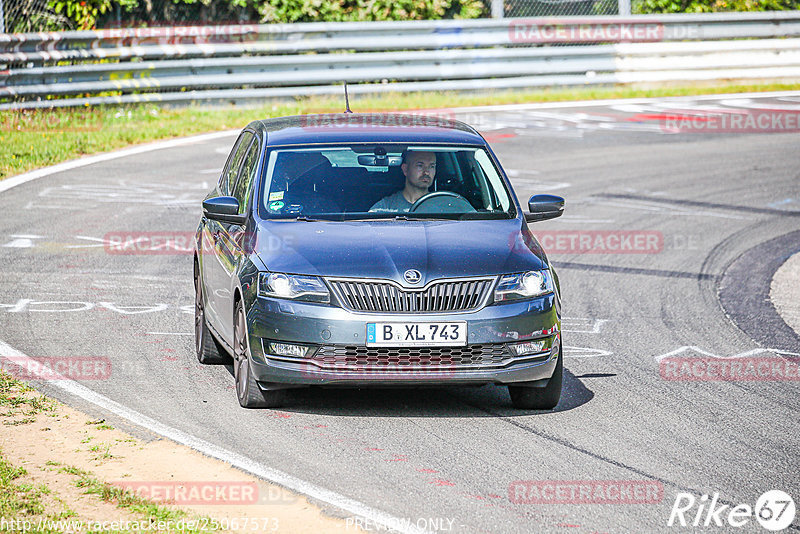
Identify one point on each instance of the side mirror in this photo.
(224, 209)
(543, 207)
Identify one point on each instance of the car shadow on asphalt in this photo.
(482, 401)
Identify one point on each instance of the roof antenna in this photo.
(346, 99)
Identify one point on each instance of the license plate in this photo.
(416, 334)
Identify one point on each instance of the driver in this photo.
(419, 169)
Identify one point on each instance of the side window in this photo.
(447, 175)
(474, 187)
(228, 178)
(247, 173)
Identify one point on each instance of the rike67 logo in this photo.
(774, 510)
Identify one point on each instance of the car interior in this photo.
(310, 183)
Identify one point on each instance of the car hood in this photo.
(386, 249)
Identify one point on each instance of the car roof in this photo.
(366, 128)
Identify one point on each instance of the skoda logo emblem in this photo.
(412, 276)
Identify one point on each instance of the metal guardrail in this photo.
(238, 63)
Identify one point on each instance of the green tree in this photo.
(83, 13)
(708, 6)
(353, 10)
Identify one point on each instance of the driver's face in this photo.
(420, 168)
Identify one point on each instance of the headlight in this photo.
(289, 286)
(523, 285)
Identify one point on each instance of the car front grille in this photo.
(384, 296)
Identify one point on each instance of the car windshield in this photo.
(383, 182)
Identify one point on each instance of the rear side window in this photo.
(228, 178)
(247, 173)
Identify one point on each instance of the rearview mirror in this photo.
(379, 160)
(224, 209)
(543, 207)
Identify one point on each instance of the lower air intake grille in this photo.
(344, 357)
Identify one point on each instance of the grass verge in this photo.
(25, 506)
(33, 139)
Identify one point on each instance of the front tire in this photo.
(247, 390)
(540, 398)
(206, 347)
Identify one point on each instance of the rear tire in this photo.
(207, 348)
(247, 390)
(541, 398)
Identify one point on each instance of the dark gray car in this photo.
(374, 250)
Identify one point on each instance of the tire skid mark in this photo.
(596, 456)
(425, 474)
(492, 500)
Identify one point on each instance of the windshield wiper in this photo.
(431, 217)
(305, 219)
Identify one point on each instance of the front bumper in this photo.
(343, 359)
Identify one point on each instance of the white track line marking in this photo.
(745, 354)
(614, 101)
(584, 352)
(169, 334)
(347, 504)
(20, 179)
(14, 181)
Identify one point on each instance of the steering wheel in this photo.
(443, 202)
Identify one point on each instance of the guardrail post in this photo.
(497, 9)
(624, 7)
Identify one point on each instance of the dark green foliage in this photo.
(351, 10)
(83, 13)
(707, 6)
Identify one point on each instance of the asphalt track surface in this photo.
(448, 457)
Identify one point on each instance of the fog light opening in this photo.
(534, 346)
(288, 349)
